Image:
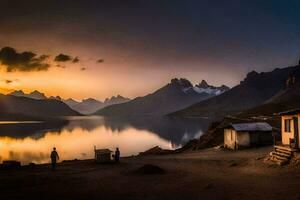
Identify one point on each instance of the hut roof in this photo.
(253, 126)
(102, 151)
(290, 112)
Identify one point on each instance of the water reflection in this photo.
(76, 137)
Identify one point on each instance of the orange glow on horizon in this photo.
(130, 141)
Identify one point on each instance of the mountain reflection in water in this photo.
(75, 137)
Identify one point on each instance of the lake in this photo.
(75, 137)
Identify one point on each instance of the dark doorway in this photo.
(296, 132)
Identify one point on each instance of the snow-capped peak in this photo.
(204, 87)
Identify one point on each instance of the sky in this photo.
(96, 48)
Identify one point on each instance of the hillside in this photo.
(176, 95)
(253, 91)
(13, 105)
(286, 99)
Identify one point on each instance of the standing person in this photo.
(54, 156)
(117, 155)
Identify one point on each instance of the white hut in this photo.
(102, 155)
(245, 135)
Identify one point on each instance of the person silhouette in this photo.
(117, 155)
(54, 157)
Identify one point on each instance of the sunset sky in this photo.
(132, 47)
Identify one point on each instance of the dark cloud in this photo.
(24, 61)
(76, 59)
(100, 61)
(9, 81)
(62, 58)
(83, 69)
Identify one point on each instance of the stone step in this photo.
(283, 151)
(284, 148)
(283, 154)
(279, 151)
(280, 158)
(279, 161)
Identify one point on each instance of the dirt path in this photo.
(208, 174)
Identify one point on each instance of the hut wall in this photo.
(243, 139)
(298, 128)
(286, 136)
(229, 138)
(261, 138)
(103, 157)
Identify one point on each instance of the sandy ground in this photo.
(207, 174)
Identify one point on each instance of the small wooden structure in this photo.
(245, 135)
(290, 128)
(289, 143)
(102, 155)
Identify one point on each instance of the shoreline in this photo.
(208, 174)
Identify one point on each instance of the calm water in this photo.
(76, 137)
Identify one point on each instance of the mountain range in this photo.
(177, 94)
(86, 106)
(90, 105)
(33, 95)
(287, 98)
(258, 93)
(16, 106)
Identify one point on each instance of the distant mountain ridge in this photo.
(18, 105)
(177, 94)
(86, 106)
(33, 95)
(90, 105)
(255, 90)
(71, 102)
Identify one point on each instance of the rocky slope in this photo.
(178, 94)
(287, 98)
(253, 91)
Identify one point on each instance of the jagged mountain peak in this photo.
(17, 93)
(203, 84)
(204, 87)
(35, 92)
(91, 100)
(182, 82)
(252, 73)
(115, 98)
(70, 99)
(70, 102)
(55, 98)
(33, 95)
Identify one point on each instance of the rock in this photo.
(219, 147)
(155, 151)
